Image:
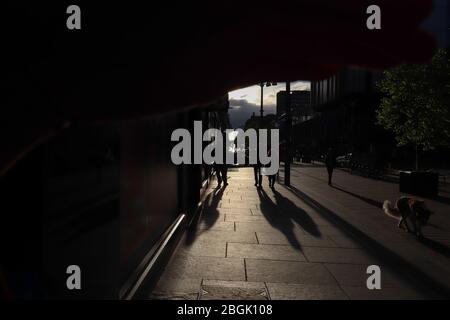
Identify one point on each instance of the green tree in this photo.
(416, 105)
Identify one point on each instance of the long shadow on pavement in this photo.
(291, 211)
(379, 204)
(372, 202)
(208, 215)
(437, 247)
(431, 244)
(411, 274)
(271, 212)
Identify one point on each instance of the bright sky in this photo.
(245, 101)
(253, 94)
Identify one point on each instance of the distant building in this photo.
(256, 122)
(346, 83)
(300, 105)
(344, 105)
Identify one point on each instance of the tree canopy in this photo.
(416, 105)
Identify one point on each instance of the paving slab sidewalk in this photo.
(357, 201)
(255, 244)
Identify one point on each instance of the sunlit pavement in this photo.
(357, 201)
(311, 241)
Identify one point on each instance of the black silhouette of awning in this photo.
(135, 60)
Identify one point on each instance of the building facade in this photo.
(301, 109)
(106, 198)
(346, 102)
(344, 105)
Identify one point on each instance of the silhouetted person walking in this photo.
(222, 169)
(258, 175)
(272, 177)
(257, 170)
(330, 163)
(221, 173)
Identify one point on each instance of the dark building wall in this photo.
(301, 109)
(349, 81)
(347, 122)
(345, 106)
(21, 228)
(97, 196)
(60, 208)
(149, 188)
(299, 99)
(100, 197)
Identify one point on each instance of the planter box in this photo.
(419, 183)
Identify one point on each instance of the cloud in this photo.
(242, 103)
(241, 110)
(301, 85)
(245, 101)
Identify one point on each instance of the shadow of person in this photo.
(271, 212)
(436, 246)
(208, 216)
(375, 203)
(300, 216)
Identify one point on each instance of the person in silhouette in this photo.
(271, 177)
(257, 170)
(330, 163)
(258, 175)
(221, 174)
(221, 169)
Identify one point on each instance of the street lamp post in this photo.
(287, 163)
(262, 84)
(262, 99)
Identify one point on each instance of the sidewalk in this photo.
(265, 244)
(358, 200)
